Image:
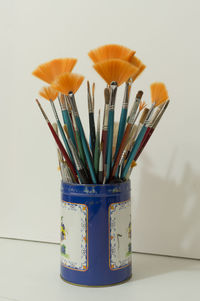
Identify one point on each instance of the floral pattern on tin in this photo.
(120, 235)
(74, 234)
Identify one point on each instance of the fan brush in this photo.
(52, 69)
(111, 51)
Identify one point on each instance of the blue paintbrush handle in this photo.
(65, 140)
(122, 125)
(134, 151)
(86, 150)
(68, 122)
(109, 143)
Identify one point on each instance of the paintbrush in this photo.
(68, 84)
(133, 164)
(78, 142)
(127, 131)
(159, 95)
(100, 175)
(63, 167)
(97, 147)
(137, 63)
(123, 117)
(50, 94)
(115, 72)
(91, 119)
(79, 167)
(126, 151)
(78, 161)
(115, 131)
(152, 123)
(59, 143)
(105, 129)
(66, 117)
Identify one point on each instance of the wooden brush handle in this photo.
(63, 151)
(121, 149)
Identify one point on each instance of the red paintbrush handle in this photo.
(63, 151)
(104, 144)
(121, 149)
(146, 138)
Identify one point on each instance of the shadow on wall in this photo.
(167, 213)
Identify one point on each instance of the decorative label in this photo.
(119, 235)
(74, 236)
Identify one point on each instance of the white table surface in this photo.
(30, 271)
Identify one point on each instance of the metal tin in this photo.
(96, 233)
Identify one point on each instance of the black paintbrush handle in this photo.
(92, 132)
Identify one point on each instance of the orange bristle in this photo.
(142, 105)
(111, 51)
(50, 70)
(68, 82)
(137, 63)
(115, 70)
(159, 93)
(48, 93)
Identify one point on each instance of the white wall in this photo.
(166, 189)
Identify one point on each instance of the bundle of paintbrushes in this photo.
(108, 156)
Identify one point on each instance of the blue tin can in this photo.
(96, 233)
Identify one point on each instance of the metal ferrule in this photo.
(54, 110)
(111, 107)
(68, 105)
(62, 102)
(134, 110)
(74, 123)
(149, 114)
(105, 123)
(164, 107)
(122, 157)
(126, 96)
(113, 92)
(72, 102)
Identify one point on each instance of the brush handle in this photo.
(92, 132)
(68, 122)
(121, 149)
(65, 140)
(61, 130)
(86, 149)
(80, 147)
(146, 138)
(122, 125)
(134, 151)
(109, 142)
(63, 151)
(97, 154)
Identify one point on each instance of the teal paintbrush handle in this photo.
(134, 151)
(86, 150)
(65, 140)
(109, 143)
(68, 122)
(122, 125)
